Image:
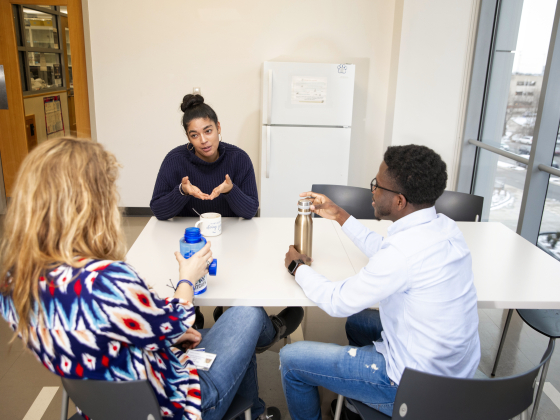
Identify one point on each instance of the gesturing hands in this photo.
(190, 189)
(223, 188)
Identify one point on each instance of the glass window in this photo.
(63, 9)
(45, 70)
(502, 188)
(40, 29)
(518, 62)
(549, 232)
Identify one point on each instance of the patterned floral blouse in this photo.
(101, 322)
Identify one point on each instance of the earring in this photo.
(220, 136)
(191, 148)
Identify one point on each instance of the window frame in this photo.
(25, 49)
(546, 127)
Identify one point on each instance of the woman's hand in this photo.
(189, 340)
(196, 266)
(223, 188)
(190, 189)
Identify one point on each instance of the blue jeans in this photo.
(356, 371)
(234, 372)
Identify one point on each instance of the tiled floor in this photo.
(22, 378)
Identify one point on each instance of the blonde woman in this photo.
(86, 314)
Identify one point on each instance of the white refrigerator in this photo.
(306, 127)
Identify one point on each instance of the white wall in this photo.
(146, 55)
(435, 58)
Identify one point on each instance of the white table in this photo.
(509, 271)
(250, 256)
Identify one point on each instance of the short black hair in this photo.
(194, 107)
(419, 172)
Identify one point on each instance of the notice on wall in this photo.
(309, 90)
(53, 114)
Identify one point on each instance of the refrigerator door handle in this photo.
(269, 105)
(267, 151)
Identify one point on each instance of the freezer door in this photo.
(293, 159)
(308, 94)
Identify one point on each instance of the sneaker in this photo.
(285, 323)
(218, 311)
(271, 413)
(348, 412)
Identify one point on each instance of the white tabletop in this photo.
(250, 256)
(509, 271)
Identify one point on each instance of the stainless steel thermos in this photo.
(303, 233)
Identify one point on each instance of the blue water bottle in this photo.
(191, 243)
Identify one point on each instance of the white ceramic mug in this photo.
(210, 224)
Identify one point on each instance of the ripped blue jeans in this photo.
(357, 371)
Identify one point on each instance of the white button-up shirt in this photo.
(421, 276)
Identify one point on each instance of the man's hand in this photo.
(292, 255)
(189, 340)
(223, 188)
(190, 189)
(324, 207)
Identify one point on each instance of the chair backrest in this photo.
(460, 207)
(355, 200)
(422, 396)
(109, 400)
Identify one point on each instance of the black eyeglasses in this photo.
(374, 186)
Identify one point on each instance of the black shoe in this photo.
(271, 413)
(346, 413)
(199, 320)
(285, 323)
(218, 311)
(289, 318)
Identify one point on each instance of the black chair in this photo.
(422, 396)
(126, 400)
(460, 207)
(355, 200)
(545, 321)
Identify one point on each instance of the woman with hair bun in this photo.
(206, 173)
(85, 313)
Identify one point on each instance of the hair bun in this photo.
(190, 101)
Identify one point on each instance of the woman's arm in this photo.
(167, 200)
(243, 198)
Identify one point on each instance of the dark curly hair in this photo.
(418, 171)
(194, 107)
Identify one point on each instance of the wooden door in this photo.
(13, 139)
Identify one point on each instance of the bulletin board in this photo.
(53, 114)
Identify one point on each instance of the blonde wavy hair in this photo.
(64, 208)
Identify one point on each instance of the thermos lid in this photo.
(304, 204)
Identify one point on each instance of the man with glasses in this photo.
(421, 277)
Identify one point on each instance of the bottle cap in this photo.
(192, 235)
(213, 267)
(304, 204)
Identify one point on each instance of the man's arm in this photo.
(366, 240)
(385, 274)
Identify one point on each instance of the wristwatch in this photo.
(294, 265)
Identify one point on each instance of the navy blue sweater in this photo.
(241, 201)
